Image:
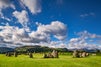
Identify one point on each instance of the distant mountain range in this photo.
(84, 49)
(37, 48)
(6, 49)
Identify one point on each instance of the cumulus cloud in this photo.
(6, 18)
(39, 37)
(22, 17)
(5, 4)
(77, 43)
(56, 28)
(44, 32)
(12, 35)
(86, 34)
(32, 5)
(53, 44)
(83, 41)
(15, 35)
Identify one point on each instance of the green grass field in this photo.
(39, 61)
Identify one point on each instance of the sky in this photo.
(54, 23)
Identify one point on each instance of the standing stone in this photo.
(30, 55)
(80, 55)
(9, 54)
(49, 55)
(6, 53)
(55, 54)
(84, 54)
(15, 54)
(75, 54)
(93, 54)
(45, 56)
(87, 54)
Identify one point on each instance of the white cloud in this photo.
(22, 17)
(83, 41)
(53, 44)
(56, 28)
(43, 33)
(39, 37)
(42, 36)
(5, 18)
(14, 35)
(87, 14)
(5, 4)
(77, 43)
(86, 34)
(32, 5)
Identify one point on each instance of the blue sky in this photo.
(63, 22)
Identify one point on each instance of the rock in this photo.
(84, 54)
(75, 54)
(30, 55)
(93, 54)
(87, 54)
(15, 54)
(45, 56)
(80, 55)
(49, 55)
(55, 54)
(9, 54)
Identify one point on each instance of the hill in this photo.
(38, 49)
(6, 49)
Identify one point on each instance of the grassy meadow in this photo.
(39, 61)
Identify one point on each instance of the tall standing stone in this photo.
(84, 54)
(80, 55)
(87, 54)
(9, 54)
(55, 54)
(30, 55)
(6, 53)
(75, 54)
(45, 56)
(49, 55)
(15, 54)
